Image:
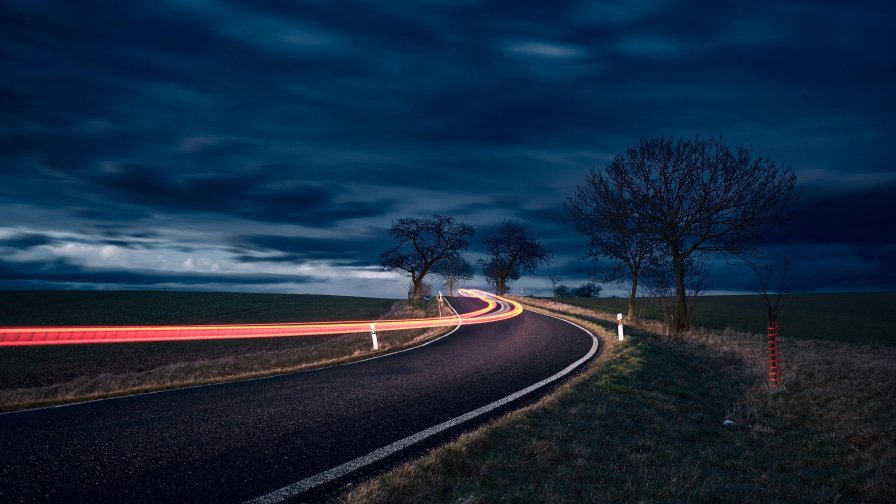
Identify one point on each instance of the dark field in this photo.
(35, 366)
(28, 308)
(71, 372)
(849, 317)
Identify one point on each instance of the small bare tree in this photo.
(602, 213)
(775, 303)
(774, 296)
(513, 250)
(555, 281)
(453, 270)
(422, 244)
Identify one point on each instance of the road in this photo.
(239, 441)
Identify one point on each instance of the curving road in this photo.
(274, 438)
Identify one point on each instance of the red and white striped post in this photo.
(774, 357)
(619, 318)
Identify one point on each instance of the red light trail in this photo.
(497, 308)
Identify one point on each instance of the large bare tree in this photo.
(453, 270)
(601, 212)
(422, 244)
(698, 196)
(512, 251)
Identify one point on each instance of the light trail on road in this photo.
(497, 308)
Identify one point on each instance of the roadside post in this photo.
(619, 318)
(440, 304)
(376, 345)
(774, 357)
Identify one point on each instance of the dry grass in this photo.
(236, 363)
(644, 424)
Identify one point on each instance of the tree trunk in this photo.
(500, 287)
(681, 321)
(632, 296)
(450, 286)
(418, 288)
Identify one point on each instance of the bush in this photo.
(587, 290)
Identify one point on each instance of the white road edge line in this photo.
(299, 487)
(267, 377)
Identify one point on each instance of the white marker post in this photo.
(376, 346)
(440, 304)
(619, 318)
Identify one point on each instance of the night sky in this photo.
(267, 145)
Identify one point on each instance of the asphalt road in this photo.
(238, 441)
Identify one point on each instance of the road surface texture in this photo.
(239, 441)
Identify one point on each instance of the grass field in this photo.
(851, 317)
(644, 423)
(29, 308)
(32, 376)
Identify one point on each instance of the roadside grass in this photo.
(856, 317)
(41, 376)
(644, 423)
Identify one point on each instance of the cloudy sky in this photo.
(268, 145)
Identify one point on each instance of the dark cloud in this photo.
(61, 272)
(25, 241)
(859, 217)
(815, 267)
(278, 248)
(146, 119)
(254, 196)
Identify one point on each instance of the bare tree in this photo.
(587, 290)
(422, 244)
(774, 300)
(554, 277)
(660, 288)
(513, 250)
(609, 220)
(699, 196)
(774, 296)
(453, 270)
(561, 290)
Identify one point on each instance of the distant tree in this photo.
(453, 270)
(587, 289)
(422, 244)
(690, 197)
(555, 281)
(561, 290)
(512, 251)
